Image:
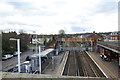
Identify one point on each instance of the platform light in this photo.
(18, 48)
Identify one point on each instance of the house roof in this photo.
(92, 35)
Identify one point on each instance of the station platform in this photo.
(57, 66)
(110, 68)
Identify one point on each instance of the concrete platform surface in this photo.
(109, 68)
(53, 66)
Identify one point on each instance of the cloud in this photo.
(21, 5)
(107, 7)
(80, 28)
(49, 16)
(104, 22)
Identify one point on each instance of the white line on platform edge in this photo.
(97, 65)
(65, 61)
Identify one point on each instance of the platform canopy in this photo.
(44, 53)
(111, 45)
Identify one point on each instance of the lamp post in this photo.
(39, 57)
(36, 44)
(18, 51)
(39, 60)
(36, 41)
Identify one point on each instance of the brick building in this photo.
(115, 35)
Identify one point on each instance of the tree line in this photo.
(9, 46)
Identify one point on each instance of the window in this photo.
(111, 37)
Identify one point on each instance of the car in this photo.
(7, 56)
(16, 53)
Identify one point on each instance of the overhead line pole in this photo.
(36, 44)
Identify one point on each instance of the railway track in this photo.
(80, 64)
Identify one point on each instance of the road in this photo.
(10, 63)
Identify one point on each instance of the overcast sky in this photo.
(49, 16)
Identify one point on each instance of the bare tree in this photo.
(61, 32)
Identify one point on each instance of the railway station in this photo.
(60, 39)
(75, 56)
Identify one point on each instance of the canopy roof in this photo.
(43, 53)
